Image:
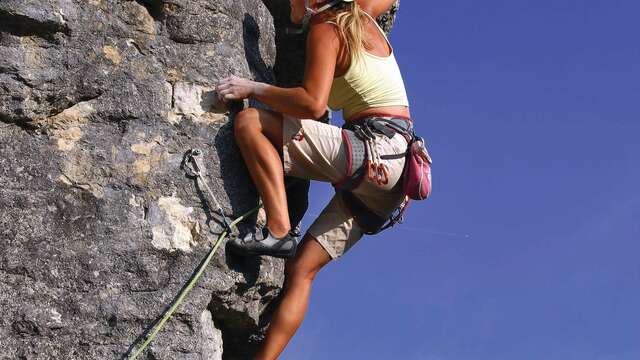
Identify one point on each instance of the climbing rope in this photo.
(195, 169)
(190, 285)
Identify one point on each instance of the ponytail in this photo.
(351, 19)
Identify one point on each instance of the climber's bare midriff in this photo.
(401, 111)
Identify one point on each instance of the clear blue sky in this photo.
(530, 245)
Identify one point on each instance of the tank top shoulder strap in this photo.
(379, 28)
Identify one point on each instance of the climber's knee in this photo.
(307, 263)
(252, 120)
(245, 122)
(296, 272)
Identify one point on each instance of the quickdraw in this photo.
(377, 173)
(193, 168)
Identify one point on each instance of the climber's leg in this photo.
(258, 133)
(300, 272)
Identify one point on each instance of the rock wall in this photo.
(99, 226)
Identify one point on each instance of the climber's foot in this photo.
(262, 242)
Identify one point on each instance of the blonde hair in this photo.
(351, 19)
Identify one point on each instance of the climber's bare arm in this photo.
(309, 100)
(375, 8)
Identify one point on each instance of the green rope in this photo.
(192, 283)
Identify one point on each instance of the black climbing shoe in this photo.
(262, 242)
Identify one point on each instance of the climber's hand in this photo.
(235, 88)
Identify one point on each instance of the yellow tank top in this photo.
(370, 81)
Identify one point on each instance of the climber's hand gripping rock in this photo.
(235, 88)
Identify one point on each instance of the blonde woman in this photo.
(350, 66)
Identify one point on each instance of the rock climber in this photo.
(350, 66)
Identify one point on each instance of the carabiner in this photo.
(372, 171)
(383, 175)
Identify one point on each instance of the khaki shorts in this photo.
(316, 151)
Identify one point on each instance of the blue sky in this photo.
(529, 247)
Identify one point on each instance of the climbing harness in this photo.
(192, 166)
(309, 12)
(365, 162)
(363, 157)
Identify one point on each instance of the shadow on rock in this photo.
(251, 38)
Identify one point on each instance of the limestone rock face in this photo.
(99, 226)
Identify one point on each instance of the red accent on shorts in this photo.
(298, 137)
